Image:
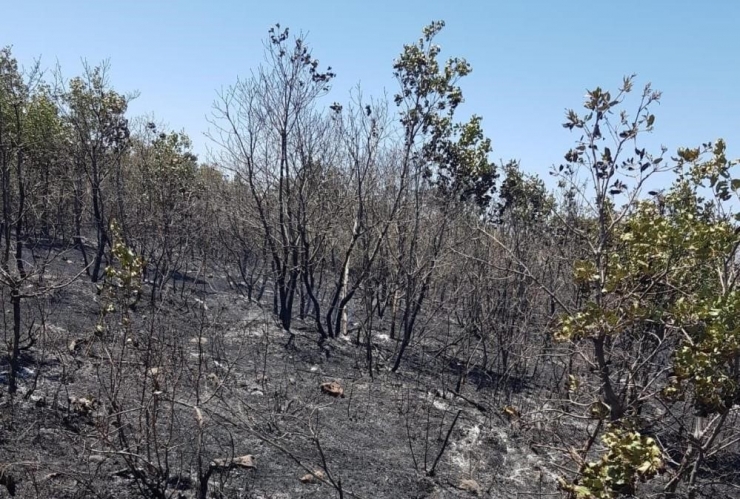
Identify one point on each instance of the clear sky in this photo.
(531, 59)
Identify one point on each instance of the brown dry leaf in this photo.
(309, 478)
(333, 388)
(511, 411)
(575, 456)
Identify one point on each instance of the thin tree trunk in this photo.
(15, 299)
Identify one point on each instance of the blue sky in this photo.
(531, 59)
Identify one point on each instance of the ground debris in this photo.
(82, 405)
(332, 388)
(316, 477)
(222, 464)
(471, 486)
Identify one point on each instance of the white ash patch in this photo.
(438, 404)
(463, 452)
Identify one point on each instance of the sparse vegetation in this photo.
(355, 300)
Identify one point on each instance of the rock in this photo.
(333, 388)
(313, 478)
(470, 486)
(245, 462)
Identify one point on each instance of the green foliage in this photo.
(455, 155)
(44, 127)
(674, 266)
(662, 272)
(170, 173)
(629, 458)
(98, 113)
(13, 88)
(121, 287)
(127, 277)
(523, 197)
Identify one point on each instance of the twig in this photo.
(477, 405)
(336, 484)
(444, 444)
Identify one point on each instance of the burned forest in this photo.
(347, 297)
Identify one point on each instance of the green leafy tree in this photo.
(30, 135)
(163, 184)
(14, 94)
(441, 154)
(658, 286)
(96, 114)
(453, 155)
